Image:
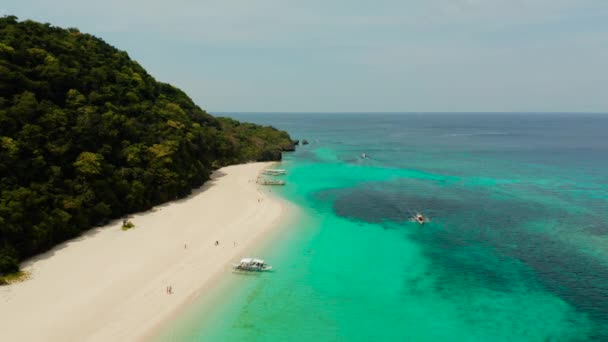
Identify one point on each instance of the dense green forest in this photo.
(87, 135)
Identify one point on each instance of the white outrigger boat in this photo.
(251, 264)
(271, 182)
(419, 218)
(274, 172)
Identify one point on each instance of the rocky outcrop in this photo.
(291, 147)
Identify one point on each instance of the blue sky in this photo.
(355, 55)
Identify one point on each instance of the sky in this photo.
(357, 55)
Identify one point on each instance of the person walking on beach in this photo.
(217, 243)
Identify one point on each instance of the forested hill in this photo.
(86, 135)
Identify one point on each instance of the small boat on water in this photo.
(271, 182)
(419, 218)
(274, 172)
(363, 155)
(251, 264)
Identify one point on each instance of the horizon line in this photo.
(410, 112)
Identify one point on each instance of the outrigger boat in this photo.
(271, 182)
(274, 172)
(251, 264)
(419, 218)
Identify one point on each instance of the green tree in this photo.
(86, 135)
(88, 163)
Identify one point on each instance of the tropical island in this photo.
(87, 136)
(120, 198)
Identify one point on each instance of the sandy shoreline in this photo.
(110, 285)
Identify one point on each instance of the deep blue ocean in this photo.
(516, 248)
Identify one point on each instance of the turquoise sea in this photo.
(516, 250)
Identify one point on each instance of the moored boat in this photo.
(271, 182)
(251, 264)
(274, 172)
(419, 218)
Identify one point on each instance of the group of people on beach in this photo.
(169, 289)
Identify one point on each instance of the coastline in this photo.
(110, 284)
(214, 294)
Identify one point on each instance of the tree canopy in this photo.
(87, 135)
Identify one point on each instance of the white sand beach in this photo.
(111, 285)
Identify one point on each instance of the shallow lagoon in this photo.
(516, 249)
